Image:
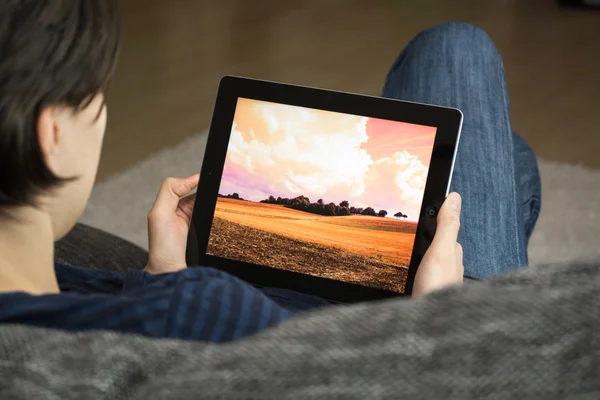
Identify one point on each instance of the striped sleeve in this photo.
(210, 305)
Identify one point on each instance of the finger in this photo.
(186, 205)
(459, 255)
(448, 222)
(171, 190)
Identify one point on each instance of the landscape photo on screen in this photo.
(322, 193)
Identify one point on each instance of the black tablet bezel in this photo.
(448, 122)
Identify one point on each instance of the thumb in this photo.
(171, 190)
(448, 221)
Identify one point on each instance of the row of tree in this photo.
(303, 203)
(234, 196)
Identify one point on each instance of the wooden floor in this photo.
(175, 52)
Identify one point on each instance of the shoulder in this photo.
(70, 272)
(87, 280)
(145, 313)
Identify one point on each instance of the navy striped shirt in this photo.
(201, 304)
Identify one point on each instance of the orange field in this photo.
(384, 239)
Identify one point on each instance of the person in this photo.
(57, 61)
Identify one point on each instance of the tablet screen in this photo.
(322, 193)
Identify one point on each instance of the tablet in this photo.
(321, 192)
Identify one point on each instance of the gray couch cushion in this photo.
(89, 247)
(528, 335)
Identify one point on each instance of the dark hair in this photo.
(57, 52)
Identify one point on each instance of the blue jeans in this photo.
(457, 65)
(496, 173)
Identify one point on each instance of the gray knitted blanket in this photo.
(528, 335)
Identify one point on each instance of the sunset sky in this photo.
(289, 151)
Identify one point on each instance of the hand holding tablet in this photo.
(169, 222)
(442, 264)
(322, 192)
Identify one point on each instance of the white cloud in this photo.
(396, 184)
(302, 151)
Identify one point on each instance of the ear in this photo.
(48, 134)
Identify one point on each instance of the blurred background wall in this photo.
(174, 53)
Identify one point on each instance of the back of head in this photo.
(58, 52)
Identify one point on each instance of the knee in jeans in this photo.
(460, 39)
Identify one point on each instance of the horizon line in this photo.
(324, 202)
